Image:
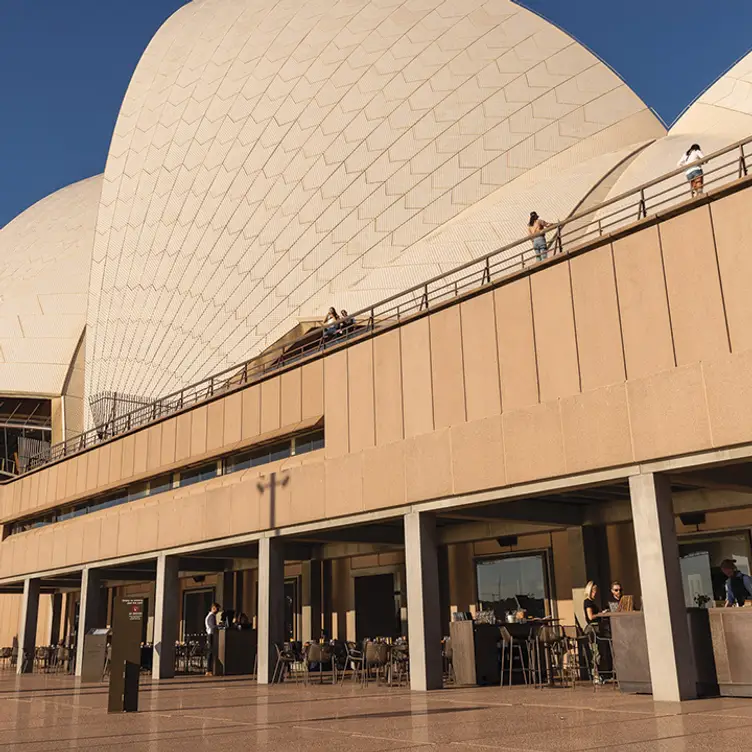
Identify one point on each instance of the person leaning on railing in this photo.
(535, 227)
(691, 158)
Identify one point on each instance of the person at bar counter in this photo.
(589, 606)
(614, 597)
(210, 623)
(738, 584)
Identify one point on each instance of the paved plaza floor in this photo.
(49, 712)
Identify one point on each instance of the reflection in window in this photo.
(197, 474)
(513, 582)
(160, 485)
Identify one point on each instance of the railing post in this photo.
(559, 244)
(211, 386)
(642, 212)
(245, 373)
(487, 272)
(600, 227)
(742, 162)
(372, 320)
(424, 299)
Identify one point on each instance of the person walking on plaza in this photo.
(695, 176)
(210, 622)
(535, 227)
(738, 584)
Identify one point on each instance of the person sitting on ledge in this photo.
(331, 322)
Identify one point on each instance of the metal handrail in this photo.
(571, 233)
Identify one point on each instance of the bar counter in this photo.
(731, 629)
(630, 651)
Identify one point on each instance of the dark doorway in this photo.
(375, 611)
(196, 605)
(291, 607)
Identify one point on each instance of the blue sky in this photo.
(65, 65)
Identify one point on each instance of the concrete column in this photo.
(311, 600)
(672, 668)
(56, 613)
(90, 610)
(423, 610)
(326, 596)
(166, 615)
(27, 629)
(271, 605)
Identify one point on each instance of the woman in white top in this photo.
(694, 174)
(535, 227)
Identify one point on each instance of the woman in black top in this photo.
(589, 606)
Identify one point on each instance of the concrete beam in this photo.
(476, 531)
(525, 510)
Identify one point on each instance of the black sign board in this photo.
(127, 620)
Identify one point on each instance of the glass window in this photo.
(139, 490)
(513, 582)
(71, 512)
(160, 485)
(197, 474)
(111, 501)
(309, 442)
(280, 451)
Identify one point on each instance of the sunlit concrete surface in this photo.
(40, 712)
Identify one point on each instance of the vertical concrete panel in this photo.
(516, 341)
(251, 412)
(154, 451)
(169, 441)
(270, 404)
(183, 436)
(446, 368)
(292, 407)
(215, 428)
(141, 453)
(732, 227)
(116, 461)
(645, 322)
(199, 419)
(694, 290)
(597, 319)
(416, 378)
(361, 396)
(70, 481)
(555, 343)
(92, 472)
(335, 404)
(103, 474)
(387, 364)
(480, 357)
(233, 407)
(313, 389)
(129, 447)
(81, 472)
(62, 478)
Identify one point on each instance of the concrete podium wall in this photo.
(635, 349)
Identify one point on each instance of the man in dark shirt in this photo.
(614, 597)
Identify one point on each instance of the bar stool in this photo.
(512, 648)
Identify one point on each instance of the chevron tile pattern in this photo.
(45, 254)
(275, 157)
